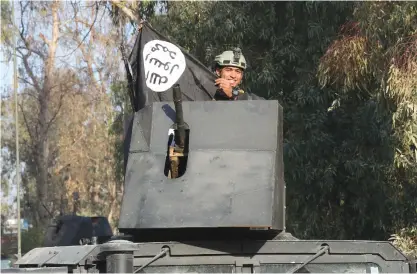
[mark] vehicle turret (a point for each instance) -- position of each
(230, 177)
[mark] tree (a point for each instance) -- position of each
(65, 131)
(372, 68)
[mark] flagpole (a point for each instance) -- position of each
(15, 85)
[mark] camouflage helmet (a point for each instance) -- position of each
(231, 58)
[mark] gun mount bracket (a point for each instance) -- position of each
(177, 153)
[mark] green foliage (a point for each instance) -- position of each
(31, 239)
(121, 103)
(380, 71)
(340, 148)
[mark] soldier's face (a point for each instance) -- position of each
(232, 74)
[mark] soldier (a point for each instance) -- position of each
(229, 67)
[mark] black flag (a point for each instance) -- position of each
(156, 64)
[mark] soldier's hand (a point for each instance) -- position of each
(225, 86)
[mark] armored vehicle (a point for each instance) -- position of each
(204, 193)
(220, 212)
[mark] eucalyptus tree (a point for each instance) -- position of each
(372, 68)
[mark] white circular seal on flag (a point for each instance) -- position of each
(164, 64)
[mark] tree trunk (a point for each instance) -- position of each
(45, 119)
(113, 203)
